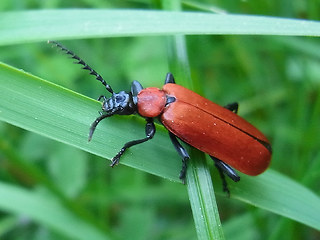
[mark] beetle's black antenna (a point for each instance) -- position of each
(86, 66)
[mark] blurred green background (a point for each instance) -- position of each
(276, 80)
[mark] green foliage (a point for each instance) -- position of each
(63, 189)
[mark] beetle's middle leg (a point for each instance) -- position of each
(183, 154)
(150, 131)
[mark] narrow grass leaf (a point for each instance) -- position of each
(47, 211)
(41, 25)
(202, 199)
(199, 183)
(280, 194)
(58, 113)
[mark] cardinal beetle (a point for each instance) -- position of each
(229, 140)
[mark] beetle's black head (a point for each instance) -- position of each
(122, 103)
(119, 103)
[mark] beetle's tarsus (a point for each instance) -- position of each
(183, 180)
(115, 161)
(224, 181)
(183, 171)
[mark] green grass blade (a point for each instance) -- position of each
(276, 192)
(44, 209)
(28, 26)
(58, 113)
(199, 182)
(202, 199)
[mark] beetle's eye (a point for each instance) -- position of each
(119, 99)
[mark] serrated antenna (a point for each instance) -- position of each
(83, 63)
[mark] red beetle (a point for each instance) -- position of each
(218, 131)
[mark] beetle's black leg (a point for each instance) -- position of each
(102, 96)
(183, 153)
(169, 78)
(233, 107)
(96, 122)
(224, 181)
(225, 169)
(150, 131)
(136, 87)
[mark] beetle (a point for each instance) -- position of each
(228, 139)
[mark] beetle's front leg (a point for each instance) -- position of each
(102, 97)
(150, 131)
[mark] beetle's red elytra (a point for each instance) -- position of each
(229, 140)
(215, 130)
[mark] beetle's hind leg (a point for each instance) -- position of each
(233, 107)
(183, 154)
(224, 168)
(150, 131)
